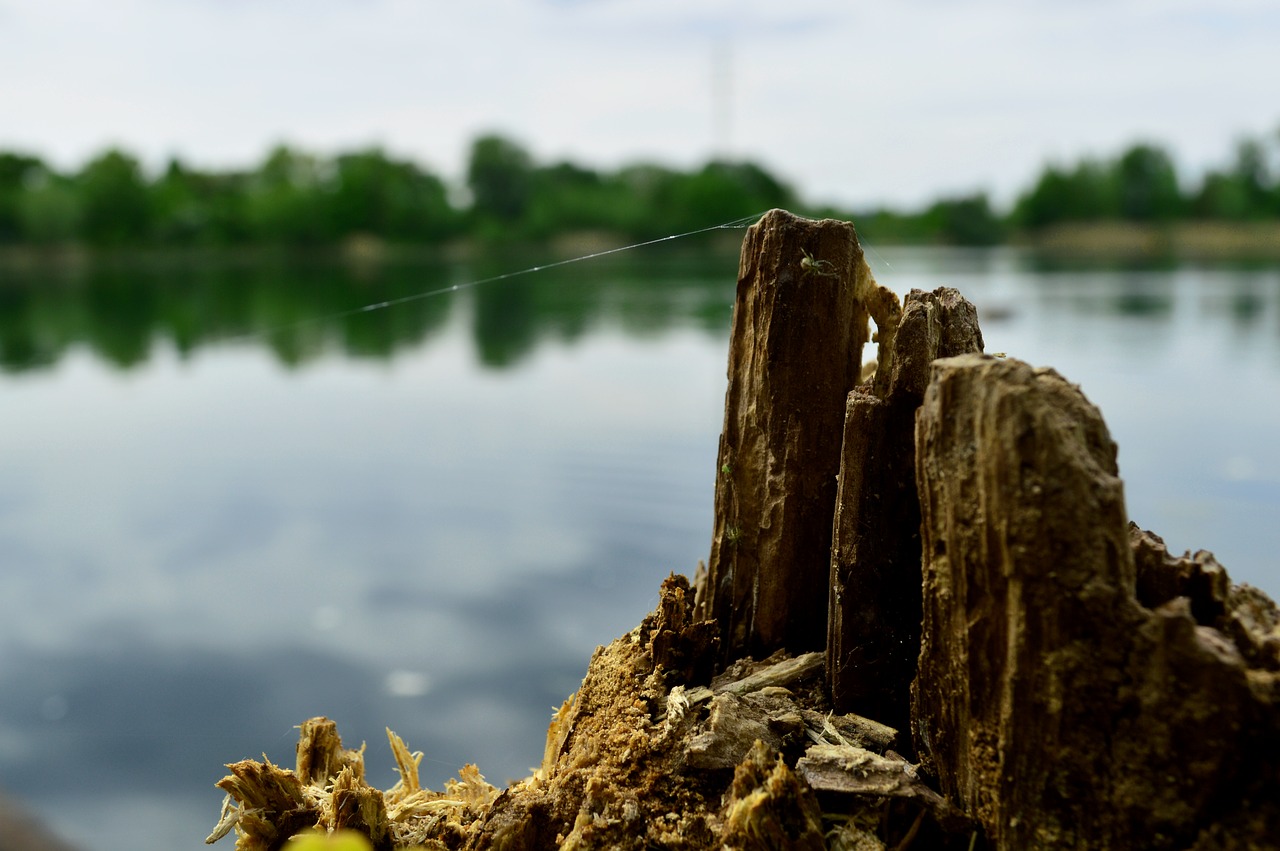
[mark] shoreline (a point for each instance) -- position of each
(1188, 241)
(1074, 242)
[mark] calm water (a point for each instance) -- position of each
(220, 515)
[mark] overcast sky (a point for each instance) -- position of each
(858, 103)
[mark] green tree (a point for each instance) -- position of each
(115, 200)
(965, 221)
(567, 197)
(49, 209)
(1221, 196)
(286, 200)
(722, 191)
(392, 199)
(1087, 192)
(1148, 185)
(500, 176)
(180, 212)
(224, 198)
(1247, 190)
(883, 226)
(649, 188)
(17, 171)
(1253, 172)
(1273, 193)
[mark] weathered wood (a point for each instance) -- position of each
(850, 729)
(795, 352)
(732, 728)
(873, 629)
(851, 770)
(785, 673)
(769, 807)
(1052, 705)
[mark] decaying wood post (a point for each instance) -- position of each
(795, 353)
(873, 631)
(1061, 700)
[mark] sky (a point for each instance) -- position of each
(852, 103)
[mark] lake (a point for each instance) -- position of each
(231, 500)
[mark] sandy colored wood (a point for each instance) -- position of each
(779, 675)
(639, 758)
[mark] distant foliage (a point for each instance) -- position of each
(299, 198)
(965, 221)
(115, 201)
(1142, 185)
(1249, 189)
(18, 174)
(1084, 193)
(500, 176)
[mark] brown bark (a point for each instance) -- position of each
(799, 326)
(873, 631)
(1051, 703)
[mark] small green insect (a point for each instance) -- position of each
(726, 468)
(809, 265)
(732, 534)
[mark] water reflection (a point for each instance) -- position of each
(1243, 299)
(229, 503)
(303, 311)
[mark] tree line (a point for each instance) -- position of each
(296, 198)
(1140, 185)
(302, 199)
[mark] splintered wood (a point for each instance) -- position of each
(640, 757)
(266, 804)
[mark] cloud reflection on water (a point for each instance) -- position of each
(201, 551)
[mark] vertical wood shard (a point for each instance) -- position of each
(874, 623)
(799, 325)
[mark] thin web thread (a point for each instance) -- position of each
(742, 222)
(880, 256)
